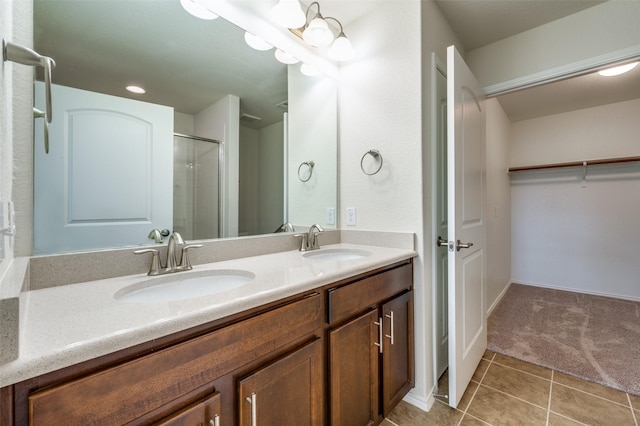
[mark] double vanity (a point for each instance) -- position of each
(323, 337)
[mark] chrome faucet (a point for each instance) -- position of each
(172, 263)
(172, 256)
(309, 241)
(285, 227)
(312, 238)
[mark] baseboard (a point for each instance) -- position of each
(499, 298)
(574, 290)
(419, 402)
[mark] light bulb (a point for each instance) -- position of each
(341, 49)
(288, 13)
(610, 72)
(317, 33)
(256, 42)
(285, 57)
(198, 10)
(309, 71)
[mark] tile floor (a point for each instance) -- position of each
(507, 391)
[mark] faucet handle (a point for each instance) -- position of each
(303, 241)
(185, 265)
(156, 267)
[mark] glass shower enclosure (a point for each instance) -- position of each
(196, 187)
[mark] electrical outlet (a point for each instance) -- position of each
(351, 216)
(331, 216)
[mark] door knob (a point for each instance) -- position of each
(440, 242)
(460, 245)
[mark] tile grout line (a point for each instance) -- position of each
(464, 413)
(522, 371)
(549, 402)
(593, 394)
(633, 412)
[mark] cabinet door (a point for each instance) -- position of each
(286, 392)
(397, 353)
(205, 412)
(353, 371)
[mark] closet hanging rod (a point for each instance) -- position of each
(575, 164)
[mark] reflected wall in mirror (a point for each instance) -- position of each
(219, 89)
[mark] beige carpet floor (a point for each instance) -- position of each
(592, 337)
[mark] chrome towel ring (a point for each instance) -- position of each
(376, 155)
(309, 165)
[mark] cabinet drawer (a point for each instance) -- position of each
(350, 299)
(123, 393)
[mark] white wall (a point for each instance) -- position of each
(221, 121)
(271, 178)
(599, 30)
(16, 130)
(313, 123)
(248, 187)
(573, 237)
(498, 138)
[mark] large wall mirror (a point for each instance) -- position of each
(240, 125)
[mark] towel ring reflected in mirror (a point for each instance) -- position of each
(376, 155)
(309, 166)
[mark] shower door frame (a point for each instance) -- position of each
(221, 175)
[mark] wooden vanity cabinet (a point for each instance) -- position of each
(337, 355)
(370, 350)
(205, 412)
(182, 378)
(285, 392)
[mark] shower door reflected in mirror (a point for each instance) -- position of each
(196, 187)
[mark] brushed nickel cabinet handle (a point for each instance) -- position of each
(379, 324)
(253, 401)
(390, 316)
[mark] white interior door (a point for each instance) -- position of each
(107, 180)
(442, 229)
(467, 224)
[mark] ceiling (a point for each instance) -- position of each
(481, 22)
(190, 63)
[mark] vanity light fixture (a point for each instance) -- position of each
(256, 42)
(288, 13)
(610, 72)
(286, 58)
(197, 9)
(317, 32)
(309, 71)
(136, 89)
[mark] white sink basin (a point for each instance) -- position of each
(184, 285)
(336, 254)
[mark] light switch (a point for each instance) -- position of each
(331, 216)
(351, 216)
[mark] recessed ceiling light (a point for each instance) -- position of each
(136, 89)
(610, 72)
(197, 9)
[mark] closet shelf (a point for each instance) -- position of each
(575, 164)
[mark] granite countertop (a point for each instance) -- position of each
(66, 325)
